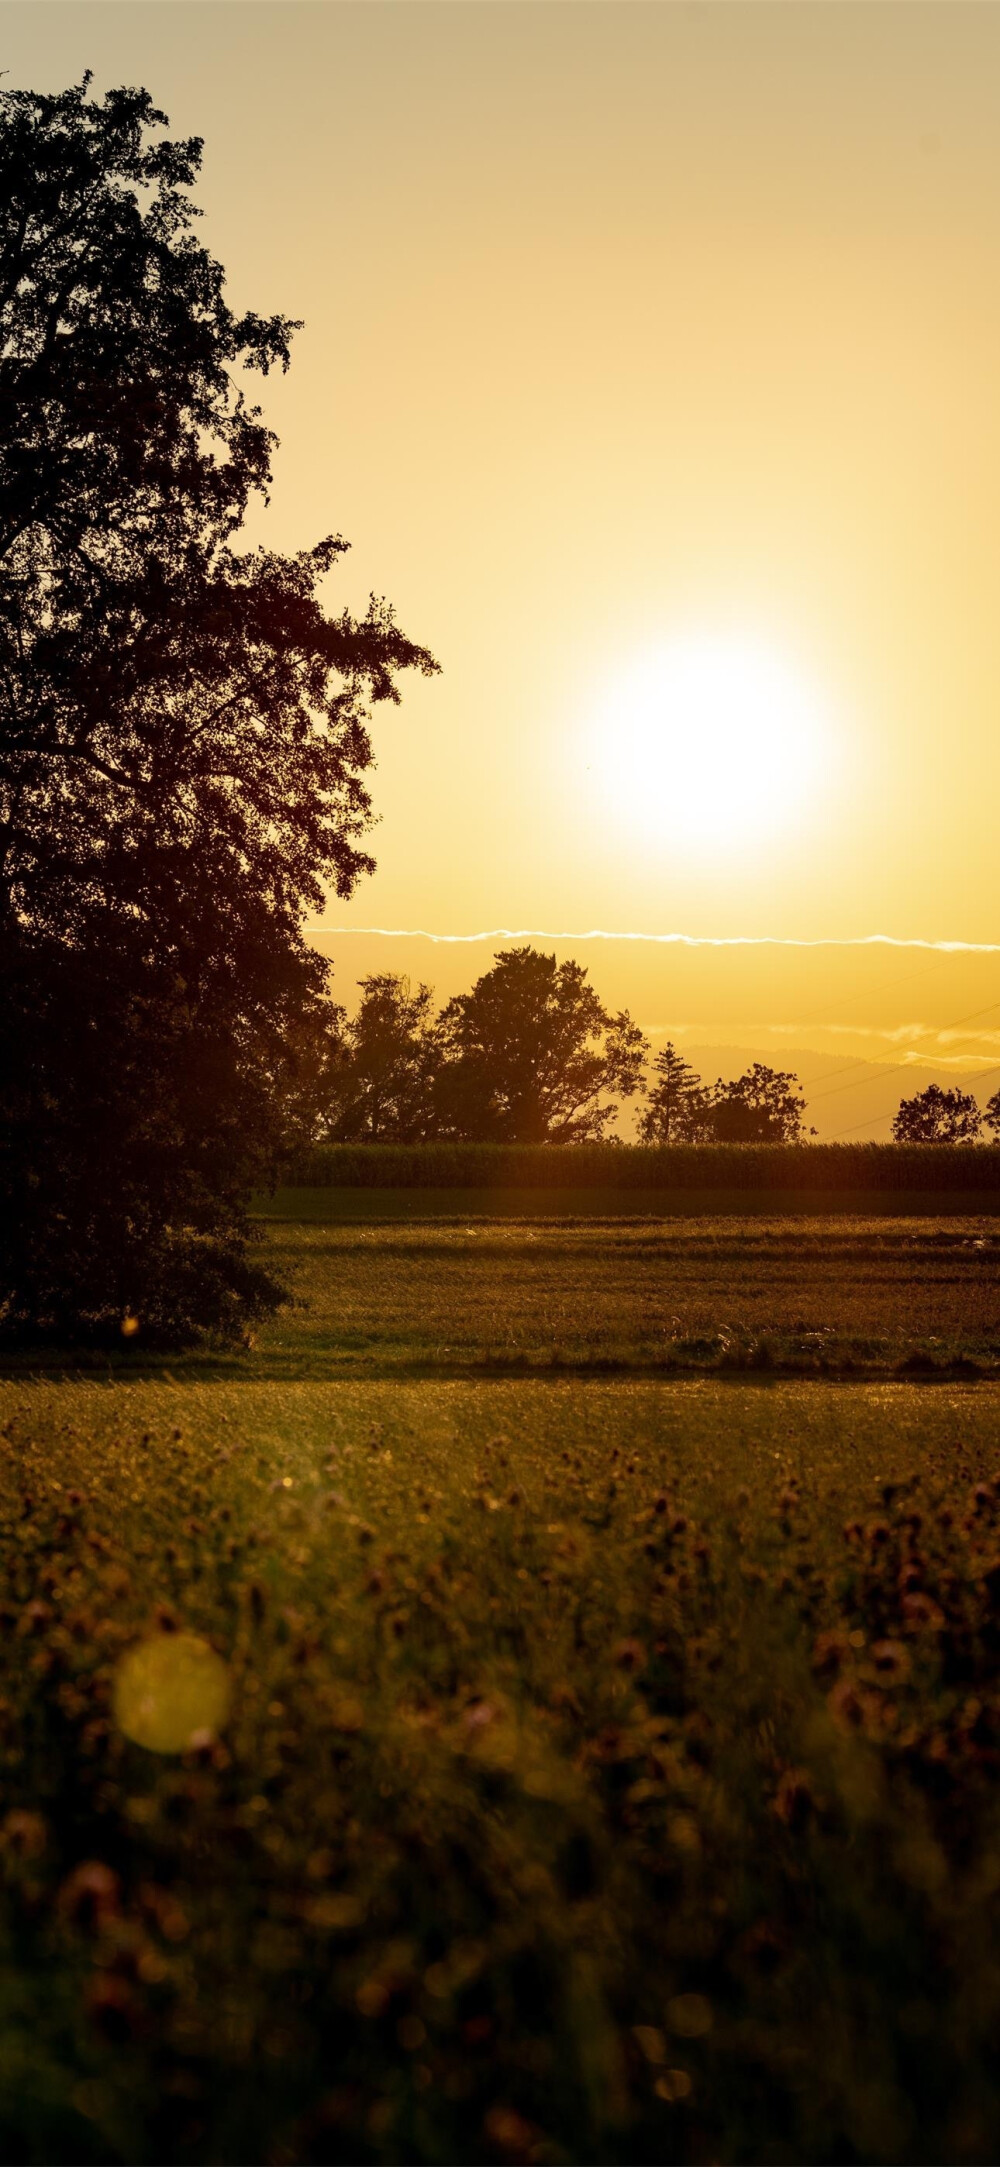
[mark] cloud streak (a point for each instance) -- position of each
(662, 940)
(914, 1033)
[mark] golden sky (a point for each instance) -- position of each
(627, 326)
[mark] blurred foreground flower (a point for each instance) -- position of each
(168, 1689)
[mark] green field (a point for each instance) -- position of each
(611, 1765)
(532, 1296)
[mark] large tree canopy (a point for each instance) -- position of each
(934, 1116)
(763, 1106)
(183, 727)
(531, 1055)
(382, 1088)
(156, 688)
(118, 399)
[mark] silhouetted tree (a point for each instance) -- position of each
(531, 1054)
(934, 1116)
(382, 1086)
(182, 742)
(991, 1116)
(677, 1101)
(763, 1106)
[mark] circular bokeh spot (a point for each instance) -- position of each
(169, 1688)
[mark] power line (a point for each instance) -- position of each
(994, 1071)
(900, 978)
(861, 1060)
(901, 1066)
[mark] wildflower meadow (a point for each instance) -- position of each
(517, 1770)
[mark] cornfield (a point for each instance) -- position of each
(969, 1170)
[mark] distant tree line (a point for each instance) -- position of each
(529, 1056)
(532, 1056)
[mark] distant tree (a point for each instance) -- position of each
(531, 1055)
(381, 1089)
(763, 1106)
(934, 1116)
(991, 1115)
(677, 1101)
(182, 743)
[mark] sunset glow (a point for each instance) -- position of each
(665, 409)
(500, 980)
(710, 744)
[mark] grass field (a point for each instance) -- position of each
(819, 1296)
(610, 1766)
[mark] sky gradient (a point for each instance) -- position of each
(623, 320)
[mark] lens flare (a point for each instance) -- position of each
(168, 1689)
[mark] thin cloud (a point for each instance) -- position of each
(662, 940)
(926, 1034)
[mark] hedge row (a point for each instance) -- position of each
(971, 1169)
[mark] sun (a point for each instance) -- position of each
(710, 743)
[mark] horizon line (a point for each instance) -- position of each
(677, 940)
